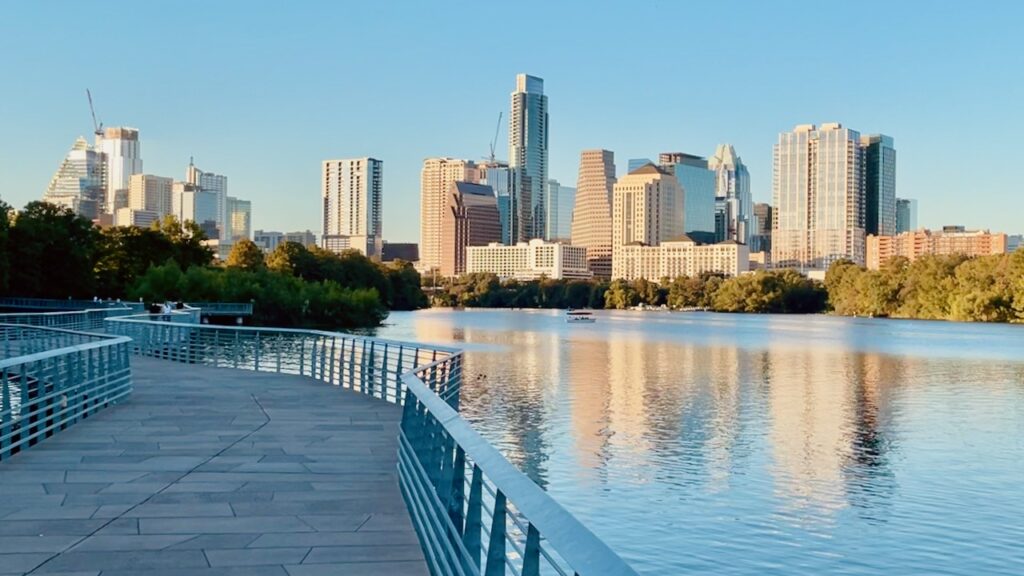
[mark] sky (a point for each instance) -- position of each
(263, 92)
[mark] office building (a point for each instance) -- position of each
(152, 194)
(239, 219)
(1014, 242)
(122, 153)
(879, 184)
(906, 215)
(189, 203)
(352, 197)
(634, 163)
(216, 184)
(647, 207)
(561, 200)
(502, 180)
(79, 183)
(680, 257)
(592, 214)
(133, 217)
(470, 219)
(528, 157)
(732, 195)
(698, 190)
(818, 198)
(436, 179)
(529, 260)
(404, 251)
(761, 239)
(268, 240)
(917, 243)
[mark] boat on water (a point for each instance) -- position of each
(579, 317)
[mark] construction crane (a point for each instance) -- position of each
(494, 142)
(97, 126)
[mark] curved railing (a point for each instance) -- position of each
(51, 378)
(76, 305)
(474, 512)
(91, 320)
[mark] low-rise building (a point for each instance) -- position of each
(680, 257)
(268, 240)
(139, 218)
(529, 260)
(952, 240)
(406, 251)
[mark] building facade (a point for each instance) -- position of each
(351, 192)
(592, 213)
(470, 219)
(761, 239)
(79, 184)
(647, 207)
(268, 240)
(698, 191)
(404, 251)
(138, 218)
(436, 179)
(561, 200)
(732, 195)
(189, 203)
(818, 197)
(917, 243)
(879, 184)
(216, 184)
(501, 179)
(122, 153)
(239, 219)
(528, 157)
(906, 215)
(680, 257)
(529, 260)
(151, 193)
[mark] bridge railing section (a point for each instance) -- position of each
(51, 378)
(56, 305)
(224, 308)
(474, 512)
(90, 320)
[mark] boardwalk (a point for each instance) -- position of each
(211, 472)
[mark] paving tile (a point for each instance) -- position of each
(22, 562)
(207, 525)
(139, 560)
(337, 522)
(359, 569)
(22, 544)
(382, 538)
(256, 556)
(115, 542)
(338, 554)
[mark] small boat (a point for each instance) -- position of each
(579, 317)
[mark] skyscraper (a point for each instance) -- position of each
(470, 219)
(79, 183)
(240, 219)
(761, 235)
(647, 207)
(592, 214)
(698, 192)
(436, 179)
(151, 193)
(501, 179)
(818, 197)
(123, 155)
(560, 205)
(732, 193)
(906, 215)
(352, 196)
(879, 184)
(217, 185)
(189, 203)
(528, 157)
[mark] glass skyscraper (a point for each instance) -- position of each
(79, 183)
(561, 200)
(879, 185)
(906, 215)
(698, 184)
(732, 193)
(528, 157)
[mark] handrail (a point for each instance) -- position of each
(57, 304)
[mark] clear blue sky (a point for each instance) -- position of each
(262, 92)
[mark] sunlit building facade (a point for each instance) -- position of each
(680, 257)
(647, 207)
(436, 179)
(470, 219)
(122, 153)
(917, 243)
(240, 218)
(697, 183)
(79, 183)
(591, 225)
(732, 194)
(528, 157)
(529, 260)
(151, 193)
(351, 192)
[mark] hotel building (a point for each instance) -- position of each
(529, 260)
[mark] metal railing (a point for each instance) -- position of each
(224, 308)
(474, 512)
(91, 320)
(55, 304)
(52, 378)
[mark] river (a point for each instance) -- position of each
(758, 444)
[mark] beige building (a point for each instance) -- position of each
(922, 242)
(679, 257)
(139, 218)
(151, 193)
(435, 184)
(529, 260)
(470, 219)
(647, 207)
(352, 193)
(592, 214)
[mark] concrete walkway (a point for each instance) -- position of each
(213, 472)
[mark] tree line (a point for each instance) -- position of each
(50, 252)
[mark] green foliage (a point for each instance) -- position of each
(246, 255)
(51, 253)
(5, 264)
(783, 291)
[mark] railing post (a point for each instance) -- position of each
(496, 544)
(531, 556)
(471, 536)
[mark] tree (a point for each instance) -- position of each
(5, 265)
(52, 253)
(125, 253)
(246, 255)
(294, 259)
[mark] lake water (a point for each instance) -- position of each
(748, 444)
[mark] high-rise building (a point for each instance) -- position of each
(732, 194)
(906, 215)
(879, 184)
(470, 219)
(917, 243)
(501, 179)
(123, 155)
(698, 190)
(352, 198)
(635, 163)
(189, 203)
(239, 218)
(528, 156)
(818, 199)
(561, 200)
(761, 237)
(216, 184)
(592, 213)
(436, 179)
(647, 207)
(151, 193)
(79, 183)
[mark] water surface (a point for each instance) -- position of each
(758, 444)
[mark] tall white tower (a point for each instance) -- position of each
(352, 205)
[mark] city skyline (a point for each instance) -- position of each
(437, 113)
